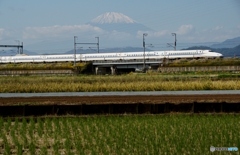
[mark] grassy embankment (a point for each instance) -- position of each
(44, 66)
(152, 81)
(130, 82)
(149, 134)
(204, 62)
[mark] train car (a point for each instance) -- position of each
(189, 54)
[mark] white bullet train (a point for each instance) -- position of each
(112, 56)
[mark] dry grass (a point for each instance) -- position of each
(133, 82)
(205, 62)
(40, 66)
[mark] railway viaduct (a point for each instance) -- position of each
(120, 66)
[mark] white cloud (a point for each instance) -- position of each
(218, 34)
(185, 33)
(64, 34)
(115, 35)
(190, 34)
(1, 33)
(185, 29)
(218, 28)
(85, 33)
(58, 31)
(153, 34)
(6, 34)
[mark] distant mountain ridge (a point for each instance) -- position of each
(229, 43)
(13, 53)
(226, 52)
(229, 47)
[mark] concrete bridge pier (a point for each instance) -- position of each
(113, 70)
(96, 70)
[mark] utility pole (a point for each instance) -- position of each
(97, 43)
(174, 45)
(21, 49)
(89, 43)
(18, 46)
(144, 61)
(75, 37)
(75, 46)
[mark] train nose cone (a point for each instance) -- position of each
(220, 55)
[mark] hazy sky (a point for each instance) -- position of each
(49, 25)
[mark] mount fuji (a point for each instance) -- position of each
(113, 21)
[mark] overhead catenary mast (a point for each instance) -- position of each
(174, 45)
(20, 47)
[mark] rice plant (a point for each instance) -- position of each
(123, 134)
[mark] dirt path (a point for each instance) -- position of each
(73, 100)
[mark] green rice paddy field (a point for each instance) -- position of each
(125, 134)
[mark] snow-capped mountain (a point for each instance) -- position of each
(112, 21)
(112, 17)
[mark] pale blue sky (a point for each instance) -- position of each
(50, 25)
